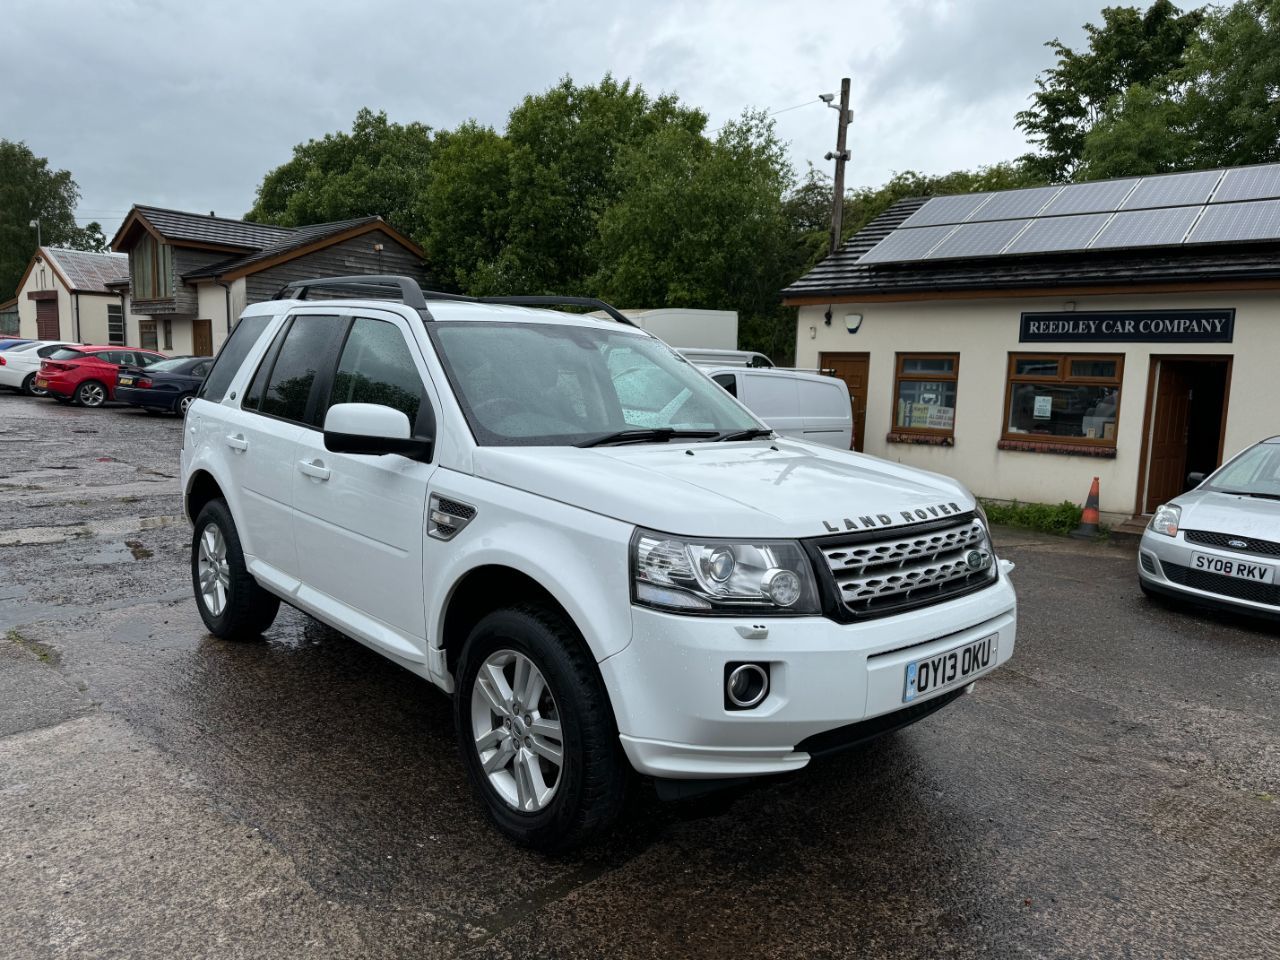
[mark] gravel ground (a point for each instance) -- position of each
(1113, 792)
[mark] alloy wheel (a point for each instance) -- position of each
(92, 395)
(31, 389)
(516, 726)
(213, 569)
(185, 404)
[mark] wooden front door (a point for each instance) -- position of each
(47, 320)
(852, 369)
(202, 337)
(1170, 419)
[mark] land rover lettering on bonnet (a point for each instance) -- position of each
(616, 571)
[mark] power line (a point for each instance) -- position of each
(774, 113)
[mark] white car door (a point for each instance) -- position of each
(827, 411)
(359, 520)
(774, 399)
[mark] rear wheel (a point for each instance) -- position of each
(231, 603)
(184, 403)
(536, 731)
(30, 389)
(91, 394)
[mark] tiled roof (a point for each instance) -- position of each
(88, 272)
(296, 238)
(223, 231)
(841, 275)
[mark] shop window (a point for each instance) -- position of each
(1063, 399)
(924, 391)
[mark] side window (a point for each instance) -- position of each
(728, 381)
(376, 367)
(307, 349)
(200, 369)
(147, 359)
(116, 357)
(231, 357)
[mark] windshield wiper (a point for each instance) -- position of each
(1248, 493)
(648, 435)
(750, 434)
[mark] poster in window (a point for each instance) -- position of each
(1044, 407)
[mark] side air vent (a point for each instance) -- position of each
(446, 518)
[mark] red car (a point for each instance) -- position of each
(87, 375)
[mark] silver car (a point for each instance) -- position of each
(1219, 544)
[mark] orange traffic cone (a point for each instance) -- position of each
(1088, 528)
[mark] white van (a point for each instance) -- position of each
(803, 406)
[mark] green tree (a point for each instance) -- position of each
(566, 145)
(701, 223)
(1129, 48)
(30, 190)
(379, 168)
(464, 206)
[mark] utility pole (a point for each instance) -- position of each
(841, 157)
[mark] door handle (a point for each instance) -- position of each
(237, 442)
(314, 468)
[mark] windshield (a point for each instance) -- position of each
(1255, 472)
(552, 385)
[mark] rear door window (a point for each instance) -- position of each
(231, 356)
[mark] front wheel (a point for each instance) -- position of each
(231, 603)
(536, 731)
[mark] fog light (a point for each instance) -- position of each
(746, 685)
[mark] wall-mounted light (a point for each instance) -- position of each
(1069, 306)
(813, 333)
(852, 322)
(826, 317)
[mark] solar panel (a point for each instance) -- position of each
(905, 244)
(1256, 220)
(1249, 183)
(1173, 190)
(1147, 228)
(978, 239)
(1102, 196)
(946, 210)
(1015, 204)
(1059, 233)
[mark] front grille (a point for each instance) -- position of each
(1223, 586)
(1268, 548)
(883, 576)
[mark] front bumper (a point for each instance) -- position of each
(1164, 566)
(667, 685)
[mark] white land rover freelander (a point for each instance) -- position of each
(606, 559)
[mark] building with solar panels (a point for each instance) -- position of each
(1026, 341)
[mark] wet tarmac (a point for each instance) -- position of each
(1113, 792)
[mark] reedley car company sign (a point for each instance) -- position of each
(1154, 326)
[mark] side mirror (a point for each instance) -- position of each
(372, 430)
(1194, 480)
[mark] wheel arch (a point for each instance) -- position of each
(201, 488)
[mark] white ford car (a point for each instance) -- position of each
(606, 559)
(1219, 544)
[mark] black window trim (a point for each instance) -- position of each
(325, 367)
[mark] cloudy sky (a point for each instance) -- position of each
(161, 102)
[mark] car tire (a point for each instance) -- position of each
(590, 784)
(30, 389)
(232, 604)
(91, 393)
(184, 401)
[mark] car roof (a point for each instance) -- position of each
(450, 311)
(712, 370)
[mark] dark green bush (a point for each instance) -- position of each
(1059, 518)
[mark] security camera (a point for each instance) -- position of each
(826, 97)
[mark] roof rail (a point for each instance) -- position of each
(410, 292)
(412, 295)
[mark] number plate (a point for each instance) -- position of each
(951, 668)
(1230, 567)
(126, 381)
(41, 382)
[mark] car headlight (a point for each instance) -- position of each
(722, 576)
(1166, 520)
